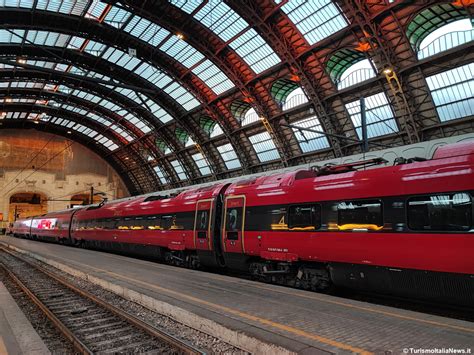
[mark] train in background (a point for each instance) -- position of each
(403, 230)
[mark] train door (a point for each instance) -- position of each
(234, 220)
(202, 225)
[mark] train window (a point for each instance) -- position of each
(184, 220)
(108, 223)
(359, 215)
(202, 220)
(233, 221)
(153, 222)
(304, 217)
(261, 218)
(167, 221)
(442, 212)
(138, 223)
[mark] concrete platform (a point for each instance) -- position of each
(255, 315)
(17, 335)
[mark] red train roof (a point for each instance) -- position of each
(184, 201)
(453, 150)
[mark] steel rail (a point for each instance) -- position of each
(151, 330)
(78, 345)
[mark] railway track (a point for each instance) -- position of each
(89, 323)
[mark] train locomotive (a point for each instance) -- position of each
(403, 230)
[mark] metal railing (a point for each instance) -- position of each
(294, 101)
(445, 42)
(355, 77)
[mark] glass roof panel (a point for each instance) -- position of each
(181, 51)
(176, 48)
(255, 51)
(27, 4)
(160, 175)
(46, 38)
(208, 72)
(95, 9)
(179, 169)
(117, 17)
(153, 75)
(87, 96)
(264, 147)
(453, 92)
(221, 19)
(146, 30)
(182, 96)
(8, 37)
(94, 48)
(379, 113)
(316, 19)
(310, 141)
(201, 164)
(186, 5)
(228, 155)
(227, 24)
(115, 56)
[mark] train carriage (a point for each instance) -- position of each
(53, 227)
(405, 229)
(177, 228)
(398, 229)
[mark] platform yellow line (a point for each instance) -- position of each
(315, 297)
(289, 329)
(340, 303)
(344, 304)
(386, 313)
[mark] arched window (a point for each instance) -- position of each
(294, 99)
(439, 28)
(288, 94)
(162, 146)
(182, 136)
(244, 113)
(211, 127)
(348, 67)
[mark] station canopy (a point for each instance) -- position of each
(179, 92)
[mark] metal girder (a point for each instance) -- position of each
(56, 77)
(113, 37)
(220, 53)
(277, 31)
(65, 98)
(386, 62)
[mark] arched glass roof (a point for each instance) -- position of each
(177, 88)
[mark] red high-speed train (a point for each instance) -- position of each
(405, 229)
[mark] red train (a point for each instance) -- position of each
(404, 229)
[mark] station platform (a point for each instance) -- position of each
(17, 335)
(258, 317)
